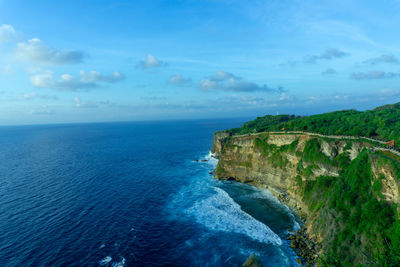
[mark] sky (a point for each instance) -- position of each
(94, 61)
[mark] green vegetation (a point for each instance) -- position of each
(377, 186)
(312, 152)
(299, 180)
(313, 156)
(219, 168)
(382, 122)
(362, 228)
(273, 152)
(386, 158)
(262, 124)
(342, 160)
(358, 226)
(348, 146)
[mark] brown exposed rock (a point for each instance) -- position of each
(242, 161)
(253, 261)
(306, 247)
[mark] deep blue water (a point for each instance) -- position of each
(130, 194)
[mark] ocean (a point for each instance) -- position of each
(131, 194)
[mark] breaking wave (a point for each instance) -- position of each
(220, 212)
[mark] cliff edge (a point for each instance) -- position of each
(346, 191)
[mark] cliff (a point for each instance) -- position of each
(333, 184)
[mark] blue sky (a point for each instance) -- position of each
(89, 61)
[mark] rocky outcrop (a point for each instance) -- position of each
(305, 247)
(385, 175)
(218, 142)
(240, 160)
(279, 163)
(253, 261)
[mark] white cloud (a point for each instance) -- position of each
(387, 93)
(150, 62)
(328, 54)
(177, 79)
(207, 85)
(284, 96)
(229, 82)
(7, 33)
(43, 110)
(312, 99)
(222, 76)
(95, 76)
(45, 79)
(251, 100)
(341, 98)
(36, 51)
(29, 96)
(374, 75)
(80, 104)
(383, 59)
(92, 104)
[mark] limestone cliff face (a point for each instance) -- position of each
(241, 160)
(218, 142)
(387, 176)
(277, 162)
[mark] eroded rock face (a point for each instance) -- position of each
(218, 142)
(240, 160)
(281, 139)
(327, 149)
(390, 185)
(282, 170)
(355, 150)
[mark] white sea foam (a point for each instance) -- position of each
(265, 194)
(296, 226)
(212, 160)
(120, 263)
(220, 212)
(105, 261)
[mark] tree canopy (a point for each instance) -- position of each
(382, 122)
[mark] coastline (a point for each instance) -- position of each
(305, 246)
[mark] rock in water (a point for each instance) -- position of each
(253, 261)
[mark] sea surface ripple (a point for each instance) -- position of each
(130, 194)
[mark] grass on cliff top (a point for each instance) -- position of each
(357, 227)
(381, 122)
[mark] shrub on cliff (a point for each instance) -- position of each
(362, 228)
(381, 122)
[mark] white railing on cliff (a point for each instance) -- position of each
(392, 150)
